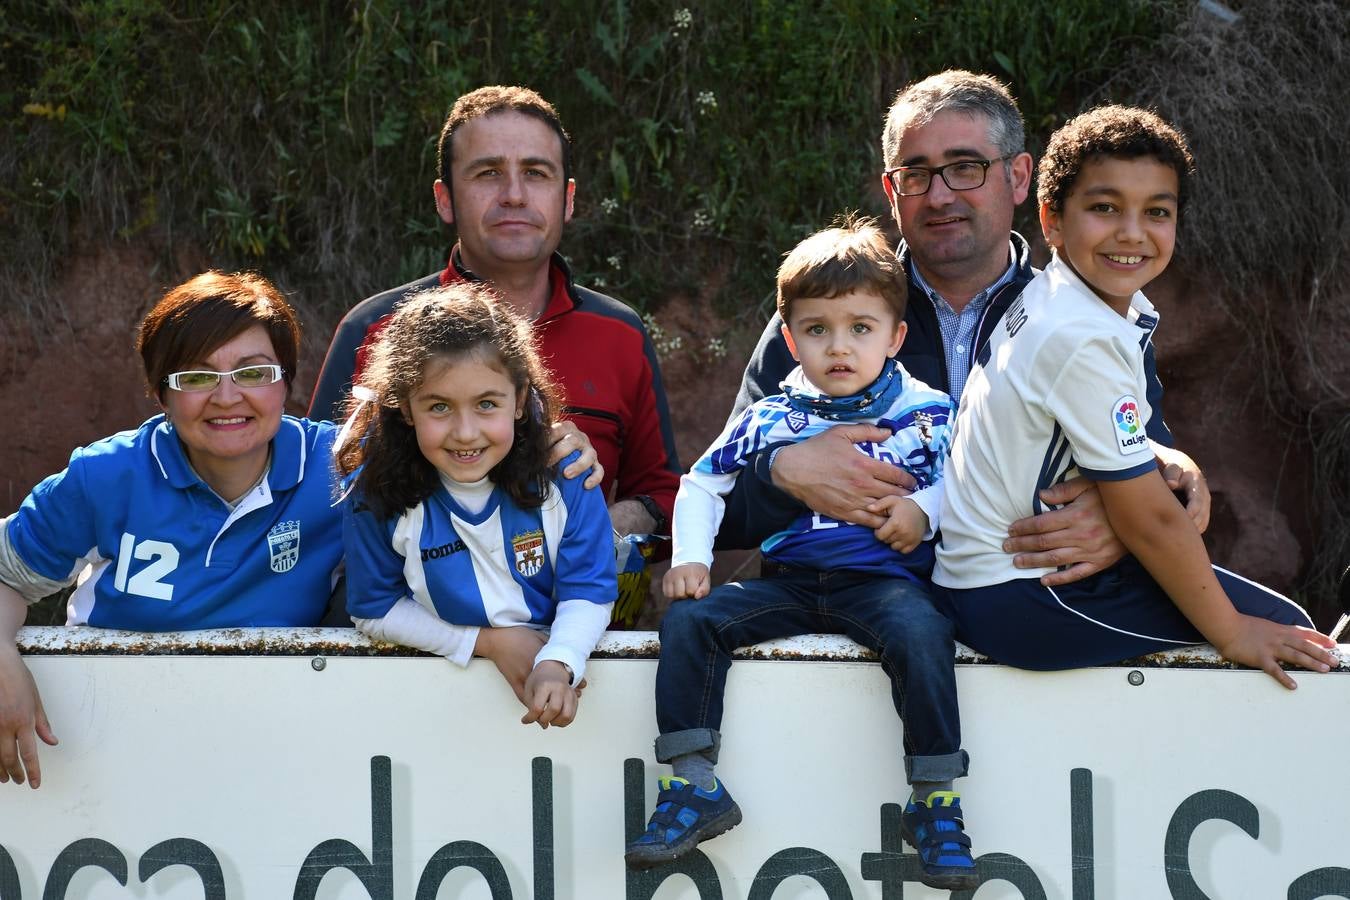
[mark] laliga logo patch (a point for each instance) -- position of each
(796, 420)
(283, 545)
(1130, 434)
(529, 548)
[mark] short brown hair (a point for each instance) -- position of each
(1125, 132)
(851, 255)
(494, 99)
(194, 319)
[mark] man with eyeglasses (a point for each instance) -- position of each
(956, 167)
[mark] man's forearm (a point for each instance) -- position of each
(631, 517)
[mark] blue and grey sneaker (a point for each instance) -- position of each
(937, 830)
(685, 816)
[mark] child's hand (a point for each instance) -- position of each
(905, 523)
(690, 580)
(1263, 645)
(512, 650)
(549, 695)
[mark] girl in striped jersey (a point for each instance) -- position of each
(461, 539)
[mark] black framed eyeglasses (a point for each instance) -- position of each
(962, 175)
(204, 380)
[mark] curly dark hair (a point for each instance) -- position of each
(451, 321)
(1125, 132)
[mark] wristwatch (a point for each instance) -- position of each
(654, 511)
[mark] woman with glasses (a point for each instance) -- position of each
(216, 513)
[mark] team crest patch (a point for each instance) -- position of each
(924, 422)
(283, 545)
(796, 420)
(1129, 427)
(529, 548)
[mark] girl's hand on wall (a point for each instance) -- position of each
(549, 695)
(512, 650)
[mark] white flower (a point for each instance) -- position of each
(609, 205)
(615, 262)
(716, 347)
(707, 102)
(702, 218)
(683, 19)
(599, 281)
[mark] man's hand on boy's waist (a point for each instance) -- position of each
(1078, 536)
(828, 474)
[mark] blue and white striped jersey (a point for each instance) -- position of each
(166, 553)
(918, 418)
(502, 566)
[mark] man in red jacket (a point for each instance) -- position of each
(505, 184)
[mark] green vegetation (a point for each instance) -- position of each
(300, 138)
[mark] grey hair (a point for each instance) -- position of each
(960, 91)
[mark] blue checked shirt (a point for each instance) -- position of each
(958, 328)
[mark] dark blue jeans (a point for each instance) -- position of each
(892, 616)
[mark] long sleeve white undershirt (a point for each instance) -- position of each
(577, 626)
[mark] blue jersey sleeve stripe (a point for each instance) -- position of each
(375, 579)
(1120, 474)
(585, 566)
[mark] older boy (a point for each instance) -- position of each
(841, 294)
(1060, 392)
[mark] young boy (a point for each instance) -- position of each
(1059, 392)
(841, 294)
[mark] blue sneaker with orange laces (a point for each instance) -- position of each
(685, 816)
(936, 829)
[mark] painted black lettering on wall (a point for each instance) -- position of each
(892, 866)
(185, 852)
(1006, 867)
(85, 852)
(1201, 807)
(376, 876)
(800, 861)
(541, 788)
(1321, 883)
(463, 853)
(1084, 874)
(9, 877)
